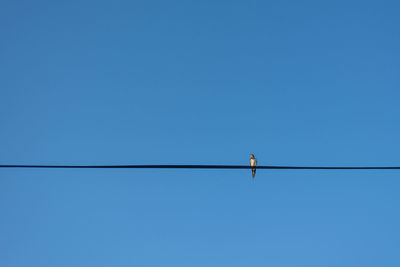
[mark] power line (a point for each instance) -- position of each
(155, 166)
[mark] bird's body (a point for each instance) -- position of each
(253, 163)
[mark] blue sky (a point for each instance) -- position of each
(199, 82)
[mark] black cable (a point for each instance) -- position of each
(154, 166)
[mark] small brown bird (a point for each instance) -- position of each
(253, 163)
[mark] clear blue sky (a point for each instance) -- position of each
(199, 82)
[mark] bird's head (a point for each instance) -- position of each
(252, 156)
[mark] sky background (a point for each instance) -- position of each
(199, 82)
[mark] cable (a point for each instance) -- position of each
(153, 166)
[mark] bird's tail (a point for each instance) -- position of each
(253, 172)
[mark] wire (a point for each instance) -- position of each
(195, 167)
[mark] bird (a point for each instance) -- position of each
(253, 163)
